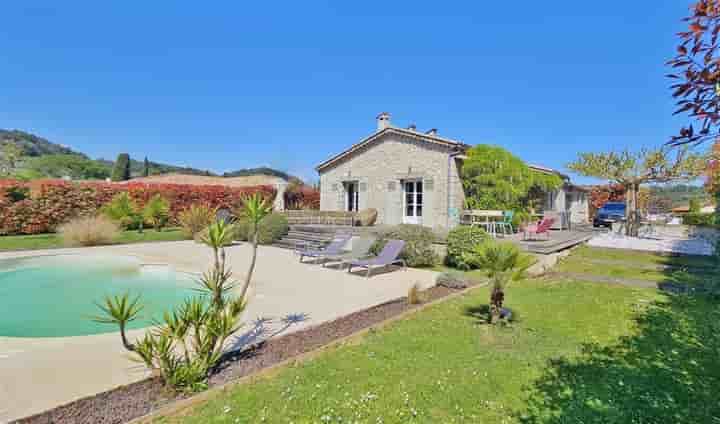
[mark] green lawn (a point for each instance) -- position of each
(578, 353)
(50, 241)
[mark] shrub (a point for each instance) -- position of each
(156, 212)
(462, 239)
(418, 250)
(123, 210)
(17, 193)
(502, 263)
(185, 346)
(271, 228)
(367, 217)
(89, 231)
(453, 280)
(195, 219)
(53, 202)
(414, 296)
(700, 219)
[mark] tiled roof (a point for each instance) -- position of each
(393, 130)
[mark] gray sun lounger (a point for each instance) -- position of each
(360, 250)
(389, 255)
(335, 247)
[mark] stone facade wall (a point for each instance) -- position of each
(382, 166)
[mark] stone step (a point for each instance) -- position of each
(293, 243)
(309, 236)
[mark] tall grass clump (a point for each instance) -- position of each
(89, 231)
(195, 219)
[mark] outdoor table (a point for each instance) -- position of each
(475, 218)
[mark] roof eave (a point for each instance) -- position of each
(377, 134)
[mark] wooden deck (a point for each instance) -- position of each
(559, 240)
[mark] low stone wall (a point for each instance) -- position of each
(315, 217)
(681, 231)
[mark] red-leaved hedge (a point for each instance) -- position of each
(300, 196)
(53, 202)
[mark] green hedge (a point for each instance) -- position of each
(463, 239)
(418, 250)
(701, 219)
(271, 229)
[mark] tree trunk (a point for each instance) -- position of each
(631, 214)
(497, 297)
(248, 277)
(127, 345)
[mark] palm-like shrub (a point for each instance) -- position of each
(502, 263)
(123, 210)
(463, 239)
(89, 231)
(195, 219)
(120, 310)
(187, 343)
(255, 208)
(157, 212)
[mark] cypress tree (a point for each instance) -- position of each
(146, 167)
(121, 171)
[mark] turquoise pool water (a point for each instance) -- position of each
(55, 296)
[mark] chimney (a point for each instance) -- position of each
(431, 131)
(412, 127)
(383, 121)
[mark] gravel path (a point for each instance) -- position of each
(666, 245)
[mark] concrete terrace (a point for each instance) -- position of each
(40, 373)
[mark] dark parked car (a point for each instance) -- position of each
(609, 213)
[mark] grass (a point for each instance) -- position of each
(632, 265)
(51, 241)
(577, 353)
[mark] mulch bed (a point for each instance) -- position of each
(125, 403)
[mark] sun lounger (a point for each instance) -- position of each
(360, 250)
(389, 255)
(336, 247)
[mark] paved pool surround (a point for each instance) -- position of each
(37, 374)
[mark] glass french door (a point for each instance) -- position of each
(352, 197)
(412, 202)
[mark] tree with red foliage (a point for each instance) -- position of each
(696, 72)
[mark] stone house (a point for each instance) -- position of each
(409, 176)
(571, 199)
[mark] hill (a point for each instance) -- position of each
(40, 157)
(263, 170)
(34, 146)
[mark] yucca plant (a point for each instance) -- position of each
(120, 310)
(157, 211)
(218, 235)
(185, 345)
(255, 207)
(502, 263)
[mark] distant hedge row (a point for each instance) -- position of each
(701, 219)
(40, 206)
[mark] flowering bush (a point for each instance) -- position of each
(53, 202)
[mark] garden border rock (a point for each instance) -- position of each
(146, 400)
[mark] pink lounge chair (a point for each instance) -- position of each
(542, 227)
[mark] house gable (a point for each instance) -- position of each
(430, 141)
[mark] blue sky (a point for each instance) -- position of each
(226, 85)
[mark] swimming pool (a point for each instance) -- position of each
(56, 296)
